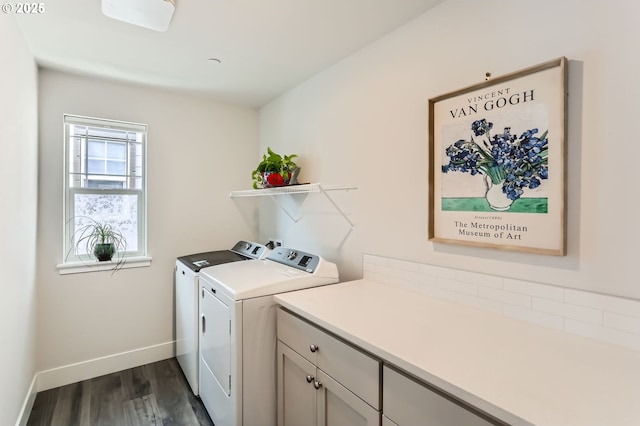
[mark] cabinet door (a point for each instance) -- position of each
(337, 406)
(296, 394)
(387, 422)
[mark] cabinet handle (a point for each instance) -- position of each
(204, 325)
(310, 379)
(317, 384)
(313, 348)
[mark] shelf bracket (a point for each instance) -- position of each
(298, 189)
(335, 205)
(279, 204)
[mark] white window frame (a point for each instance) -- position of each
(83, 263)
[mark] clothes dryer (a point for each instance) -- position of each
(238, 331)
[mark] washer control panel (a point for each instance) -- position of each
(295, 258)
(250, 249)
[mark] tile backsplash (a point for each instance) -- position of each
(608, 318)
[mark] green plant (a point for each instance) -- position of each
(281, 166)
(98, 239)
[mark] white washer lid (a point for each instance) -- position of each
(262, 277)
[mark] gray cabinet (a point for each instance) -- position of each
(297, 405)
(408, 402)
(323, 381)
(387, 422)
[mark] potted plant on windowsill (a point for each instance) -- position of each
(275, 170)
(100, 240)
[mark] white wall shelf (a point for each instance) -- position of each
(307, 188)
(292, 189)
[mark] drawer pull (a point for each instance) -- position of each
(317, 384)
(310, 379)
(313, 348)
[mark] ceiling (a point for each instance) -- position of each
(265, 47)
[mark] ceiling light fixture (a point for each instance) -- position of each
(152, 14)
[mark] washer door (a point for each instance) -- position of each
(215, 338)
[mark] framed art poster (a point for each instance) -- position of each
(497, 162)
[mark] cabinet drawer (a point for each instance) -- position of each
(355, 370)
(407, 402)
(299, 335)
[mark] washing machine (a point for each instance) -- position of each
(238, 331)
(187, 310)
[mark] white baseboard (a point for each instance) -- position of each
(23, 418)
(84, 370)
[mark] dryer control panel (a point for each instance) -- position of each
(295, 258)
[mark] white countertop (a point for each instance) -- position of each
(519, 372)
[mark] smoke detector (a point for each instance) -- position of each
(152, 14)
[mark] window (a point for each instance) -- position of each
(105, 180)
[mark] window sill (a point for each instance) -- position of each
(81, 267)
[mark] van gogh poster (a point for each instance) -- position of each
(497, 154)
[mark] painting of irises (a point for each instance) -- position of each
(512, 161)
(497, 154)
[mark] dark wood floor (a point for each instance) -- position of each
(153, 394)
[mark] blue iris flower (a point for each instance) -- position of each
(480, 127)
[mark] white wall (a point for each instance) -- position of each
(198, 150)
(18, 174)
(364, 121)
